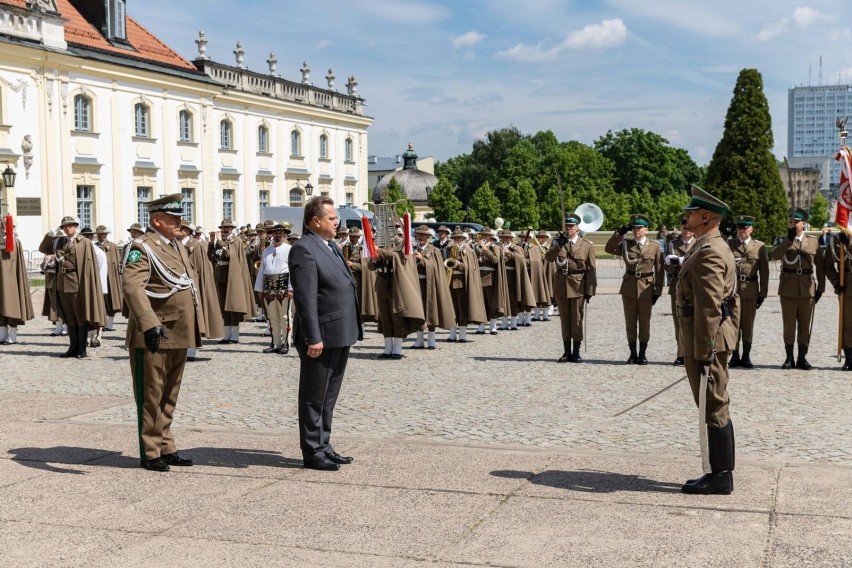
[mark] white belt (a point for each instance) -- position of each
(486, 269)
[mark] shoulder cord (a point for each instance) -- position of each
(169, 278)
(626, 255)
(798, 257)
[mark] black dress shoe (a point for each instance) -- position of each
(322, 464)
(270, 350)
(493, 333)
(431, 347)
(224, 341)
(462, 340)
(678, 362)
(156, 464)
(337, 458)
(396, 356)
(285, 349)
(176, 459)
(720, 483)
(190, 359)
(385, 356)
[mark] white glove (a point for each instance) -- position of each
(673, 259)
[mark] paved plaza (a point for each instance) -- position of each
(485, 453)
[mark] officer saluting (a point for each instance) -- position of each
(752, 285)
(800, 257)
(164, 321)
(677, 249)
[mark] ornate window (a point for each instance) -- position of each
(188, 204)
(347, 145)
(143, 196)
(227, 203)
(262, 202)
(185, 126)
(82, 113)
(85, 204)
(226, 135)
(295, 143)
(323, 154)
(263, 139)
(296, 197)
(141, 121)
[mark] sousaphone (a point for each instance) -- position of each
(591, 217)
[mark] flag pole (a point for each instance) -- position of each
(841, 268)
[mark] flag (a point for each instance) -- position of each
(369, 250)
(844, 201)
(407, 247)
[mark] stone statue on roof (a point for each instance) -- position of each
(42, 6)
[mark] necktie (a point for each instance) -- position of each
(333, 248)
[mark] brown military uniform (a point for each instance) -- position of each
(832, 272)
(679, 247)
(574, 280)
(113, 297)
(752, 282)
(801, 259)
(643, 280)
(233, 284)
(16, 305)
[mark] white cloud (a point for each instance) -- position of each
(403, 12)
(469, 39)
(705, 19)
(609, 33)
(322, 44)
(841, 34)
(803, 17)
(773, 30)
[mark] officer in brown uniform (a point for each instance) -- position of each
(434, 290)
(752, 285)
(352, 252)
(642, 283)
(465, 286)
(112, 297)
(16, 305)
(230, 268)
(675, 251)
(801, 257)
(837, 245)
(550, 270)
(164, 321)
(573, 284)
(492, 273)
(706, 303)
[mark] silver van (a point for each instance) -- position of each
(349, 216)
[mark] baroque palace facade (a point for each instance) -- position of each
(98, 116)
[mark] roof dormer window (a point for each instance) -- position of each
(116, 19)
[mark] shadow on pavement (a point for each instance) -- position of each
(588, 481)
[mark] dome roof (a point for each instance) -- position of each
(416, 184)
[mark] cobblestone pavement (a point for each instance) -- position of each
(503, 390)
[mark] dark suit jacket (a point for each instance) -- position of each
(326, 298)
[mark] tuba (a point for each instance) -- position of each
(591, 217)
(452, 261)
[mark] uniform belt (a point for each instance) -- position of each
(486, 269)
(387, 270)
(276, 276)
(743, 278)
(224, 262)
(510, 267)
(640, 274)
(577, 271)
(797, 270)
(422, 276)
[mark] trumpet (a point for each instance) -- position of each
(452, 262)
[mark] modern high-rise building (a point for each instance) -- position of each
(812, 137)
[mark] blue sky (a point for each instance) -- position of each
(440, 74)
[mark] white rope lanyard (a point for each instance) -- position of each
(168, 276)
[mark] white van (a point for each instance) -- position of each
(349, 216)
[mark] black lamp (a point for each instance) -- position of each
(309, 189)
(9, 176)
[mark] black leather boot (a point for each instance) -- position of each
(575, 354)
(285, 347)
(641, 360)
(735, 360)
(720, 480)
(847, 364)
(678, 362)
(72, 340)
(745, 360)
(566, 353)
(789, 363)
(633, 357)
(801, 362)
(82, 334)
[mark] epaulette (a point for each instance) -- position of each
(588, 241)
(139, 240)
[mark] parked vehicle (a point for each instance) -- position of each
(349, 216)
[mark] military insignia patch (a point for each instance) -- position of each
(133, 256)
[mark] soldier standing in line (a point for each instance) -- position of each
(205, 284)
(752, 285)
(492, 272)
(521, 295)
(706, 303)
(550, 271)
(676, 250)
(434, 291)
(49, 269)
(574, 284)
(274, 288)
(642, 284)
(534, 256)
(442, 241)
(236, 297)
(16, 305)
(800, 256)
(159, 287)
(838, 244)
(465, 287)
(113, 297)
(352, 252)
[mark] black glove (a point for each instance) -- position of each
(839, 289)
(561, 239)
(588, 298)
(622, 230)
(152, 338)
(817, 296)
(760, 301)
(791, 233)
(705, 365)
(843, 237)
(654, 299)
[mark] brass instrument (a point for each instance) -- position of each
(453, 261)
(257, 264)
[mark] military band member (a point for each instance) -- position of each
(434, 291)
(676, 249)
(837, 244)
(236, 297)
(164, 321)
(442, 241)
(49, 269)
(93, 338)
(78, 293)
(465, 286)
(752, 286)
(113, 297)
(16, 305)
(534, 256)
(543, 238)
(521, 295)
(492, 273)
(574, 284)
(352, 254)
(801, 257)
(274, 288)
(642, 284)
(205, 284)
(706, 301)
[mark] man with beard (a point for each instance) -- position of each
(274, 289)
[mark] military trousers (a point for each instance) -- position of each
(228, 318)
(571, 314)
(278, 314)
(847, 318)
(747, 313)
(796, 314)
(427, 325)
(156, 384)
(491, 306)
(512, 285)
(637, 312)
(676, 325)
(4, 321)
(716, 411)
(69, 308)
(393, 324)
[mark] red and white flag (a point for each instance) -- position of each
(844, 201)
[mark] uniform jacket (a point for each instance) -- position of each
(113, 293)
(707, 277)
(524, 293)
(15, 301)
(494, 282)
(538, 276)
(178, 314)
(438, 304)
(646, 260)
(406, 301)
(580, 256)
(466, 276)
(208, 300)
(752, 268)
(77, 273)
(324, 292)
(239, 297)
(680, 248)
(832, 268)
(805, 255)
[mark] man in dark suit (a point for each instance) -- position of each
(327, 323)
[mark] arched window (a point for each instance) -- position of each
(185, 126)
(295, 143)
(141, 127)
(323, 147)
(348, 150)
(262, 139)
(82, 113)
(226, 135)
(296, 197)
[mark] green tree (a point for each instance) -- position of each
(484, 205)
(669, 208)
(520, 208)
(396, 194)
(444, 203)
(819, 211)
(743, 172)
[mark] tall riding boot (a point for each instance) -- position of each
(720, 480)
(576, 353)
(566, 354)
(847, 364)
(634, 358)
(641, 359)
(745, 360)
(801, 362)
(72, 341)
(82, 333)
(735, 359)
(789, 363)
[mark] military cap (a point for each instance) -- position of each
(703, 200)
(342, 230)
(572, 219)
(281, 226)
(422, 230)
(227, 223)
(259, 227)
(800, 215)
(293, 237)
(69, 220)
(171, 204)
(639, 220)
(543, 233)
(86, 231)
(457, 232)
(507, 233)
(486, 230)
(442, 228)
(184, 224)
(744, 221)
(250, 232)
(101, 229)
(268, 224)
(354, 232)
(136, 227)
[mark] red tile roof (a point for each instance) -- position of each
(79, 32)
